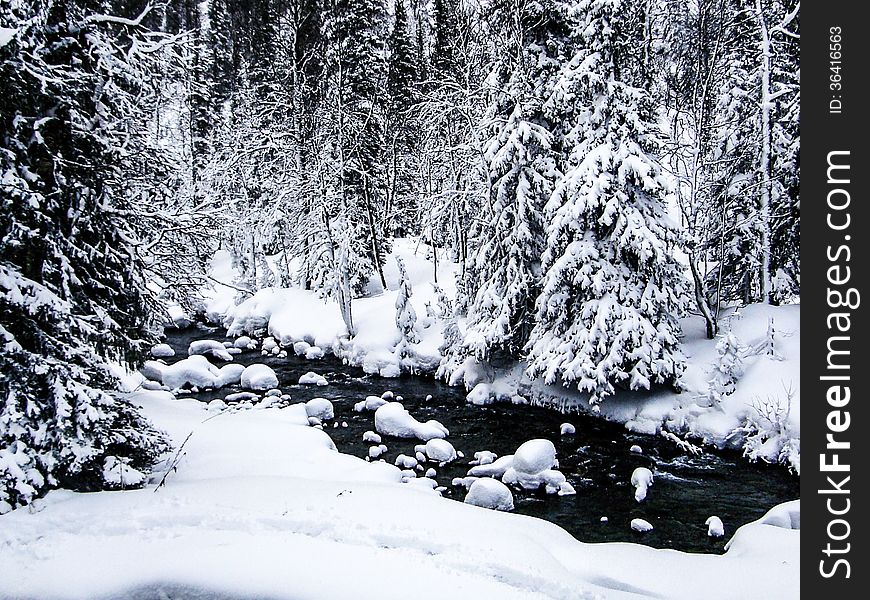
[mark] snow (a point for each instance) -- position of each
(229, 375)
(314, 353)
(370, 403)
(300, 348)
(484, 457)
(392, 419)
(715, 527)
(497, 468)
(245, 343)
(320, 408)
(641, 525)
(211, 348)
(440, 451)
(490, 493)
(192, 371)
(253, 523)
(162, 351)
(641, 479)
(119, 474)
(258, 377)
(312, 378)
(372, 437)
(480, 395)
(7, 35)
(567, 429)
(636, 449)
(535, 456)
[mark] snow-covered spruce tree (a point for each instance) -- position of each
(727, 370)
(406, 316)
(612, 291)
(74, 88)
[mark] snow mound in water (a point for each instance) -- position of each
(441, 451)
(715, 527)
(300, 348)
(370, 403)
(245, 343)
(490, 493)
(567, 429)
(392, 419)
(162, 351)
(535, 456)
(641, 525)
(484, 457)
(641, 479)
(480, 395)
(496, 468)
(229, 375)
(312, 378)
(314, 353)
(371, 437)
(153, 370)
(320, 408)
(192, 371)
(259, 377)
(212, 348)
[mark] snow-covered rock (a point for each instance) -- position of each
(405, 462)
(490, 493)
(314, 353)
(370, 403)
(480, 395)
(258, 377)
(371, 437)
(245, 343)
(636, 449)
(269, 344)
(392, 419)
(242, 397)
(312, 378)
(641, 479)
(212, 348)
(229, 375)
(320, 408)
(484, 457)
(430, 473)
(300, 348)
(535, 456)
(440, 451)
(153, 370)
(162, 351)
(715, 527)
(216, 405)
(567, 429)
(193, 371)
(496, 468)
(641, 525)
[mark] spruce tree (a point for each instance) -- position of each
(612, 291)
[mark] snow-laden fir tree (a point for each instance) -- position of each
(75, 91)
(727, 370)
(406, 316)
(612, 290)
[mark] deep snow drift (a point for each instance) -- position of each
(257, 503)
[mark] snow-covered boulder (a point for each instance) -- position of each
(430, 473)
(212, 348)
(242, 397)
(314, 353)
(392, 419)
(370, 403)
(162, 351)
(440, 451)
(567, 429)
(535, 456)
(320, 408)
(641, 479)
(371, 437)
(496, 468)
(406, 462)
(641, 525)
(269, 344)
(715, 527)
(312, 378)
(194, 371)
(484, 457)
(153, 370)
(300, 348)
(480, 395)
(216, 405)
(245, 343)
(490, 493)
(258, 377)
(636, 449)
(229, 375)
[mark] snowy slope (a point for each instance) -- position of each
(261, 505)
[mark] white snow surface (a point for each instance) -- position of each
(258, 499)
(212, 348)
(162, 351)
(312, 378)
(490, 493)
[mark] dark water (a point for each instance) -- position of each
(596, 460)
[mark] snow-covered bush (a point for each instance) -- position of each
(406, 317)
(768, 434)
(728, 369)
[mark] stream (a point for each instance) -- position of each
(597, 460)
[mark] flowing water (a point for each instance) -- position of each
(597, 460)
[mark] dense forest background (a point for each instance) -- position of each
(582, 161)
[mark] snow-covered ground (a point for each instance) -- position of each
(259, 504)
(759, 412)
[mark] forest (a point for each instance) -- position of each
(594, 170)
